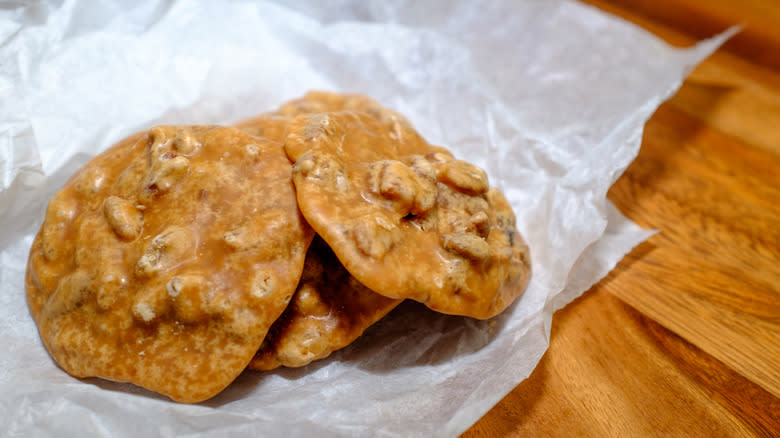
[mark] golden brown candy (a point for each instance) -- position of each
(139, 273)
(407, 219)
(330, 309)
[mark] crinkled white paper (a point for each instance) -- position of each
(549, 96)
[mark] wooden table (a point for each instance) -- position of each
(683, 337)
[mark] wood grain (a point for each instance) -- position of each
(708, 176)
(714, 278)
(759, 41)
(683, 337)
(658, 384)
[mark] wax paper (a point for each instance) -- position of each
(550, 96)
